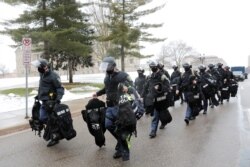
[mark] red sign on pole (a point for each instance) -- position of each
(26, 50)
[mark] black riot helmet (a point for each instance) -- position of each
(219, 65)
(210, 66)
(108, 64)
(175, 67)
(153, 66)
(41, 65)
(202, 68)
(186, 66)
(140, 70)
(160, 66)
(227, 67)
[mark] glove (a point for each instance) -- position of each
(138, 115)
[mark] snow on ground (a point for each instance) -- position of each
(13, 102)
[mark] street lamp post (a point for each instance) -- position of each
(202, 58)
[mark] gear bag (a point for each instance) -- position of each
(225, 92)
(34, 122)
(126, 118)
(94, 116)
(194, 100)
(233, 88)
(165, 116)
(60, 124)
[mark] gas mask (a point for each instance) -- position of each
(154, 69)
(186, 69)
(110, 71)
(41, 70)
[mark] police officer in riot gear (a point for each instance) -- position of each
(212, 71)
(175, 81)
(228, 74)
(111, 81)
(184, 84)
(224, 88)
(221, 72)
(229, 77)
(154, 93)
(176, 73)
(50, 88)
(165, 72)
(215, 74)
(194, 96)
(140, 80)
(208, 87)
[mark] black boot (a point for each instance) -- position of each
(117, 154)
(162, 126)
(52, 143)
(152, 134)
(125, 156)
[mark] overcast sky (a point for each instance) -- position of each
(212, 27)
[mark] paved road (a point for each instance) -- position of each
(218, 139)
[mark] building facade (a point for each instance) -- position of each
(131, 64)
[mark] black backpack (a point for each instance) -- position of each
(94, 116)
(34, 122)
(59, 124)
(233, 88)
(126, 118)
(225, 91)
(64, 121)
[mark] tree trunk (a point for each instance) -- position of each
(46, 50)
(122, 58)
(70, 71)
(122, 47)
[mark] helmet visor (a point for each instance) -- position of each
(36, 63)
(105, 66)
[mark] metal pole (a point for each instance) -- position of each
(27, 92)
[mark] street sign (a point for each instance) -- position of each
(26, 50)
(26, 61)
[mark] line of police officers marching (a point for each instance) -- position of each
(155, 92)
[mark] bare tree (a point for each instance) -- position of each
(3, 69)
(164, 57)
(175, 52)
(100, 22)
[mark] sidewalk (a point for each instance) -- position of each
(15, 121)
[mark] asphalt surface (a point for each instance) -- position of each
(218, 139)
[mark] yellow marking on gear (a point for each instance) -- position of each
(128, 141)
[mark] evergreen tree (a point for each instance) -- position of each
(124, 34)
(63, 29)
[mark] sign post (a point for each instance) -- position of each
(26, 62)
